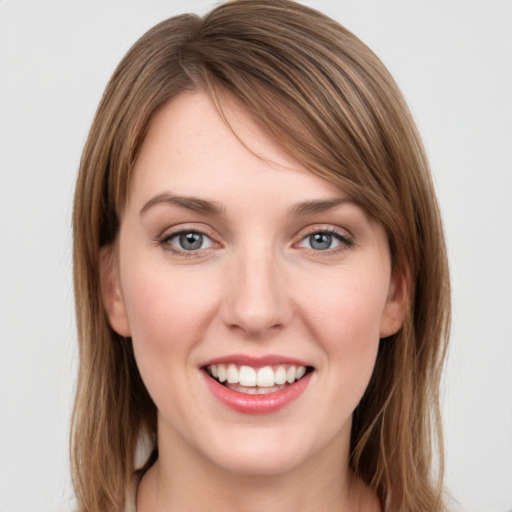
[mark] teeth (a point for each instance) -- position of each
(301, 371)
(257, 380)
(221, 372)
(254, 390)
(281, 375)
(266, 377)
(247, 376)
(232, 374)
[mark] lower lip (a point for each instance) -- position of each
(257, 404)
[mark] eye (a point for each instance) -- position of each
(325, 240)
(187, 241)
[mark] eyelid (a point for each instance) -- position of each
(178, 235)
(324, 228)
(345, 238)
(343, 235)
(169, 233)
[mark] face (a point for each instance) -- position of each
(248, 270)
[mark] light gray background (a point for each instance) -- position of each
(453, 61)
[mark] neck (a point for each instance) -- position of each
(183, 480)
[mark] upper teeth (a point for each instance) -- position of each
(267, 376)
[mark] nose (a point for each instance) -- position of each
(257, 299)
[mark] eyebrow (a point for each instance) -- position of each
(211, 208)
(312, 207)
(190, 203)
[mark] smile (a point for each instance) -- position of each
(256, 386)
(256, 381)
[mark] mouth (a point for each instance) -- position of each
(251, 380)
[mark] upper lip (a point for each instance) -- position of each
(256, 361)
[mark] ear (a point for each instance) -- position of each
(111, 291)
(396, 305)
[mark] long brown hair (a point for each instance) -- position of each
(333, 105)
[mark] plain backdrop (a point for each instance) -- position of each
(453, 61)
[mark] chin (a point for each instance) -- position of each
(259, 464)
(259, 453)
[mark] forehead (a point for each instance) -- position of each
(189, 149)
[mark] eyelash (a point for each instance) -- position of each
(345, 242)
(164, 241)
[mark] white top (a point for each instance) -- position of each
(131, 495)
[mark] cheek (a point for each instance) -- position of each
(348, 310)
(344, 316)
(168, 312)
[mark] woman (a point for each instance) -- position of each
(260, 275)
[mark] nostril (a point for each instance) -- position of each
(255, 328)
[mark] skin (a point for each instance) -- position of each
(256, 287)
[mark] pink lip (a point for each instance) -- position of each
(256, 362)
(256, 404)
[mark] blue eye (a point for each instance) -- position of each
(188, 241)
(325, 240)
(320, 241)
